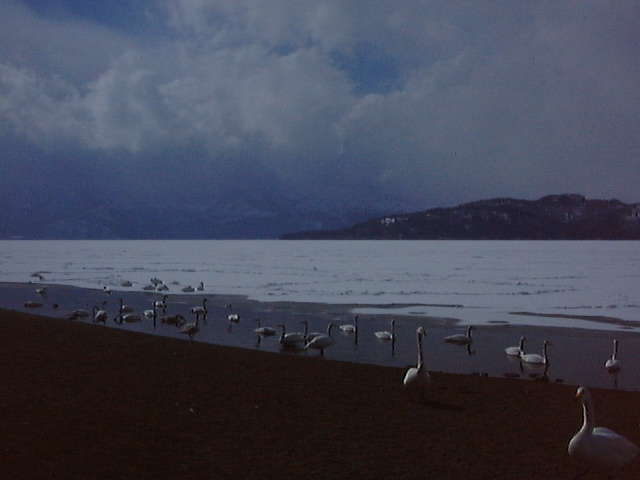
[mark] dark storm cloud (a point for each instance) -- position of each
(392, 106)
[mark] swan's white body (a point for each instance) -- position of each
(386, 335)
(99, 315)
(460, 339)
(200, 309)
(232, 317)
(264, 331)
(348, 328)
(149, 313)
(322, 341)
(598, 446)
(535, 358)
(417, 378)
(293, 339)
(516, 351)
(613, 364)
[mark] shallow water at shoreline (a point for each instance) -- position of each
(576, 357)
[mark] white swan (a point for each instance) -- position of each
(232, 317)
(599, 446)
(293, 339)
(350, 329)
(417, 378)
(516, 351)
(613, 364)
(264, 331)
(321, 341)
(536, 359)
(386, 335)
(200, 309)
(149, 314)
(460, 339)
(99, 315)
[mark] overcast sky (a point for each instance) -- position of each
(410, 104)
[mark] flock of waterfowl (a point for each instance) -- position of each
(595, 446)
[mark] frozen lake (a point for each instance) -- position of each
(573, 283)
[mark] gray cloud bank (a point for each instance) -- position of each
(313, 113)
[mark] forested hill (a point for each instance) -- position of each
(554, 217)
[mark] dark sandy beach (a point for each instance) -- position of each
(83, 401)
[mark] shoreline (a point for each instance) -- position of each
(91, 402)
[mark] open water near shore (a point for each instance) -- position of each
(580, 295)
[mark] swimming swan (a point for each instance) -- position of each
(460, 339)
(264, 331)
(386, 335)
(536, 359)
(599, 446)
(322, 341)
(417, 378)
(516, 351)
(350, 329)
(613, 364)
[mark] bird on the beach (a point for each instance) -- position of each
(264, 331)
(200, 286)
(188, 288)
(200, 309)
(535, 358)
(460, 338)
(322, 341)
(106, 290)
(516, 351)
(99, 315)
(598, 446)
(130, 318)
(149, 287)
(386, 335)
(150, 313)
(232, 317)
(417, 378)
(126, 283)
(613, 364)
(162, 288)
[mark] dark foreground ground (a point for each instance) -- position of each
(81, 401)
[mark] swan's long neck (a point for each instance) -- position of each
(329, 327)
(544, 353)
(588, 415)
(522, 344)
(615, 349)
(420, 354)
(469, 332)
(284, 331)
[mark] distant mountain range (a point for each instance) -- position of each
(554, 217)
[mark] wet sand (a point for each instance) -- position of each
(83, 401)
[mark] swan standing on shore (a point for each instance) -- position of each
(460, 339)
(417, 378)
(386, 335)
(599, 446)
(322, 341)
(613, 364)
(348, 328)
(536, 359)
(516, 351)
